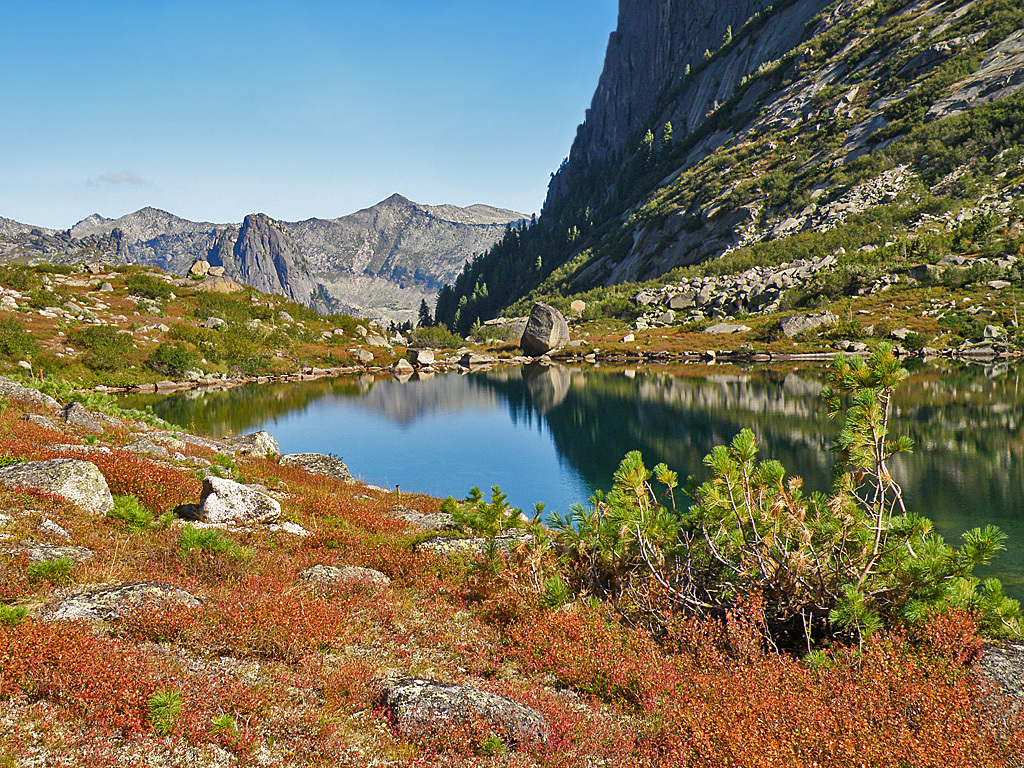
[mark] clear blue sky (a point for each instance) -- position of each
(214, 109)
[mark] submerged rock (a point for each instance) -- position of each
(424, 709)
(77, 481)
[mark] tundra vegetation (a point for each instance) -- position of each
(737, 622)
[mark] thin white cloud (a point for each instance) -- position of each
(121, 177)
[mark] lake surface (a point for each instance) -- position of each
(554, 434)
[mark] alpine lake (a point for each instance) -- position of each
(553, 434)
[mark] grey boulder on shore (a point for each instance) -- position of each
(225, 502)
(546, 330)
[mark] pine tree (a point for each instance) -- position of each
(425, 319)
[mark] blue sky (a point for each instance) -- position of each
(215, 109)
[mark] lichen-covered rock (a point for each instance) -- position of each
(77, 481)
(260, 444)
(319, 464)
(427, 521)
(423, 710)
(225, 502)
(330, 575)
(110, 603)
(15, 391)
(40, 421)
(38, 553)
(505, 543)
(77, 415)
(363, 356)
(546, 330)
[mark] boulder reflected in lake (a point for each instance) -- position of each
(548, 385)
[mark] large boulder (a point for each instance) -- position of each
(77, 481)
(546, 330)
(15, 391)
(225, 502)
(423, 710)
(319, 464)
(261, 444)
(109, 603)
(421, 357)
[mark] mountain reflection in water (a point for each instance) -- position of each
(553, 434)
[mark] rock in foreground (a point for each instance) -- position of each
(109, 603)
(225, 502)
(423, 710)
(546, 330)
(77, 481)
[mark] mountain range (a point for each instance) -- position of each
(380, 262)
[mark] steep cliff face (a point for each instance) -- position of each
(655, 70)
(266, 256)
(722, 127)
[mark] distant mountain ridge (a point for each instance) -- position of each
(379, 262)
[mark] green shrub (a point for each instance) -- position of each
(172, 359)
(106, 347)
(130, 514)
(478, 516)
(56, 572)
(164, 707)
(435, 337)
(18, 277)
(7, 461)
(210, 541)
(148, 286)
(15, 342)
(12, 615)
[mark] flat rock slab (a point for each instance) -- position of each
(77, 481)
(319, 464)
(12, 389)
(330, 575)
(424, 710)
(261, 444)
(504, 543)
(726, 328)
(39, 553)
(427, 521)
(1004, 665)
(109, 603)
(226, 502)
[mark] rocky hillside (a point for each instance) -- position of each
(771, 132)
(380, 262)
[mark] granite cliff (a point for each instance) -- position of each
(718, 128)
